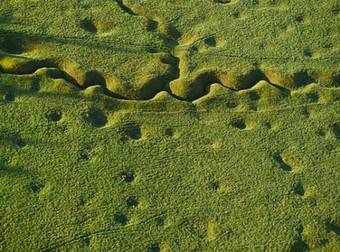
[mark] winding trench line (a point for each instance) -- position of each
(69, 79)
(171, 37)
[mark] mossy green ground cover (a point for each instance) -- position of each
(194, 125)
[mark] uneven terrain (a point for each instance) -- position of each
(144, 125)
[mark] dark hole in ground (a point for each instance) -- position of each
(154, 248)
(299, 19)
(336, 129)
(211, 41)
(85, 241)
(36, 187)
(82, 202)
(151, 25)
(215, 185)
(313, 97)
(331, 227)
(160, 221)
(299, 246)
(35, 86)
(96, 118)
(169, 132)
(121, 219)
(254, 96)
(88, 25)
(302, 79)
(308, 52)
(127, 176)
(298, 189)
(132, 130)
(239, 124)
(277, 157)
(236, 14)
(20, 142)
(83, 156)
(132, 202)
(54, 116)
(9, 97)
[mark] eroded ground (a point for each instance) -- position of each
(169, 126)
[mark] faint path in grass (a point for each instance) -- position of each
(100, 232)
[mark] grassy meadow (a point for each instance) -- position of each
(169, 125)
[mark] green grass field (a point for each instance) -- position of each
(170, 125)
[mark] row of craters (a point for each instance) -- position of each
(121, 218)
(131, 201)
(133, 130)
(98, 119)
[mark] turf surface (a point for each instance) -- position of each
(146, 125)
